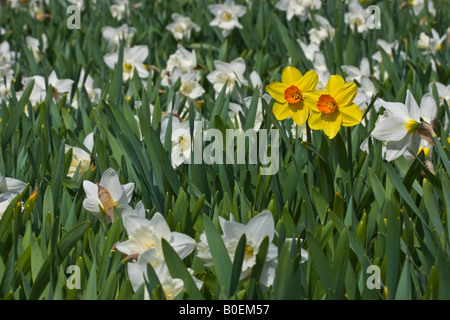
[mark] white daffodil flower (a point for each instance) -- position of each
(259, 117)
(35, 47)
(419, 5)
(137, 273)
(431, 44)
(103, 197)
(320, 66)
(94, 94)
(229, 74)
(145, 235)
(181, 27)
(299, 8)
(389, 48)
(325, 30)
(133, 59)
(60, 87)
(119, 9)
(190, 89)
(356, 16)
(226, 16)
(7, 60)
(9, 189)
(309, 49)
(444, 94)
(80, 158)
(179, 63)
(114, 35)
(255, 230)
(180, 138)
(399, 127)
(355, 73)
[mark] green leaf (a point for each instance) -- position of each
(219, 253)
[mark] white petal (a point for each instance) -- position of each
(390, 129)
(428, 108)
(110, 180)
(260, 226)
(395, 149)
(182, 244)
(13, 185)
(90, 189)
(162, 229)
(412, 106)
(92, 205)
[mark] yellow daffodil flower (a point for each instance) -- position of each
(290, 94)
(334, 107)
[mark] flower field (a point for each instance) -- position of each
(224, 150)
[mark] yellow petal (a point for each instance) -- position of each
(299, 112)
(345, 95)
(291, 76)
(276, 90)
(315, 121)
(331, 124)
(308, 82)
(310, 99)
(281, 110)
(334, 82)
(351, 115)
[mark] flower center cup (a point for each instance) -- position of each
(248, 251)
(127, 67)
(327, 104)
(412, 125)
(226, 16)
(292, 94)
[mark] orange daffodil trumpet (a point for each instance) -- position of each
(328, 110)
(291, 93)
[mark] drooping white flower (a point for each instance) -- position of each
(9, 189)
(35, 47)
(146, 235)
(103, 197)
(227, 16)
(399, 127)
(255, 230)
(119, 9)
(355, 73)
(431, 44)
(172, 287)
(7, 59)
(309, 49)
(94, 94)
(114, 35)
(320, 66)
(259, 117)
(80, 158)
(419, 5)
(229, 74)
(389, 48)
(179, 63)
(182, 27)
(133, 59)
(299, 8)
(325, 30)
